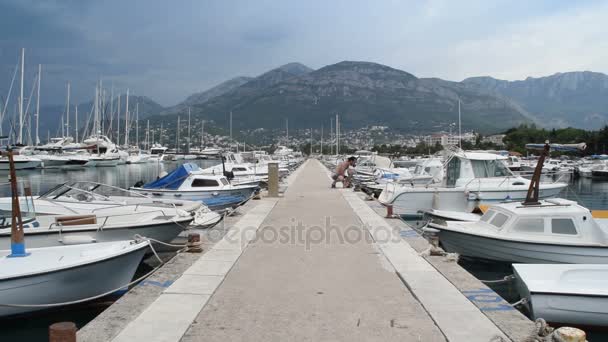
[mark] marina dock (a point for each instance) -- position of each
(314, 264)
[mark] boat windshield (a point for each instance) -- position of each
(26, 206)
(489, 168)
(86, 192)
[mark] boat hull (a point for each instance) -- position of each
(21, 165)
(69, 284)
(44, 237)
(214, 199)
(519, 252)
(414, 199)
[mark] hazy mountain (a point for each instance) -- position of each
(363, 94)
(578, 99)
(202, 97)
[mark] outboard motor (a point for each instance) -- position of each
(139, 184)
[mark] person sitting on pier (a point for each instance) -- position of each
(341, 174)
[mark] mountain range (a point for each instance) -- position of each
(365, 93)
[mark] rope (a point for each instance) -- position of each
(51, 305)
(520, 302)
(503, 280)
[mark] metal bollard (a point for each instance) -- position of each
(62, 332)
(569, 334)
(389, 211)
(194, 243)
(273, 179)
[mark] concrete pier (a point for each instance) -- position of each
(318, 264)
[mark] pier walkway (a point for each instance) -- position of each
(322, 267)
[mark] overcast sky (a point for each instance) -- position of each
(170, 49)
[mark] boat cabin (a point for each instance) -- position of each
(554, 220)
(466, 166)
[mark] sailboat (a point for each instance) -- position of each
(40, 278)
(21, 162)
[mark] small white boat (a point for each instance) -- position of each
(552, 231)
(21, 163)
(103, 161)
(138, 158)
(188, 182)
(565, 294)
(68, 273)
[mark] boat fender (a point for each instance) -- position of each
(76, 239)
(182, 213)
(215, 193)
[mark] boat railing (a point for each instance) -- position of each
(95, 219)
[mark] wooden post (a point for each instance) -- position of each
(532, 196)
(17, 242)
(62, 332)
(273, 179)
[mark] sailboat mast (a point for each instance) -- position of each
(177, 137)
(189, 136)
(459, 127)
(160, 134)
(118, 121)
(76, 123)
(67, 114)
(111, 107)
(38, 104)
(137, 124)
(230, 126)
(148, 135)
(337, 134)
(127, 120)
(202, 134)
(20, 140)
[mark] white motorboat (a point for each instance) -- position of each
(552, 231)
(565, 294)
(103, 161)
(138, 158)
(471, 179)
(68, 273)
(100, 225)
(21, 163)
(156, 152)
(188, 182)
(84, 198)
(210, 151)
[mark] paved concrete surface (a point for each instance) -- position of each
(283, 289)
(512, 322)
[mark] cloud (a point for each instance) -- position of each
(167, 50)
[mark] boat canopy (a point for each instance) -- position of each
(174, 179)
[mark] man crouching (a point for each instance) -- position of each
(341, 174)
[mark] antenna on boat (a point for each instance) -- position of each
(532, 196)
(17, 239)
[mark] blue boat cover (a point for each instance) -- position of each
(174, 179)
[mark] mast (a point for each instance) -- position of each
(311, 141)
(148, 135)
(459, 127)
(76, 123)
(331, 132)
(111, 107)
(118, 121)
(160, 134)
(20, 139)
(38, 104)
(287, 129)
(127, 120)
(321, 139)
(137, 124)
(337, 134)
(202, 134)
(189, 136)
(67, 115)
(96, 125)
(230, 126)
(177, 137)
